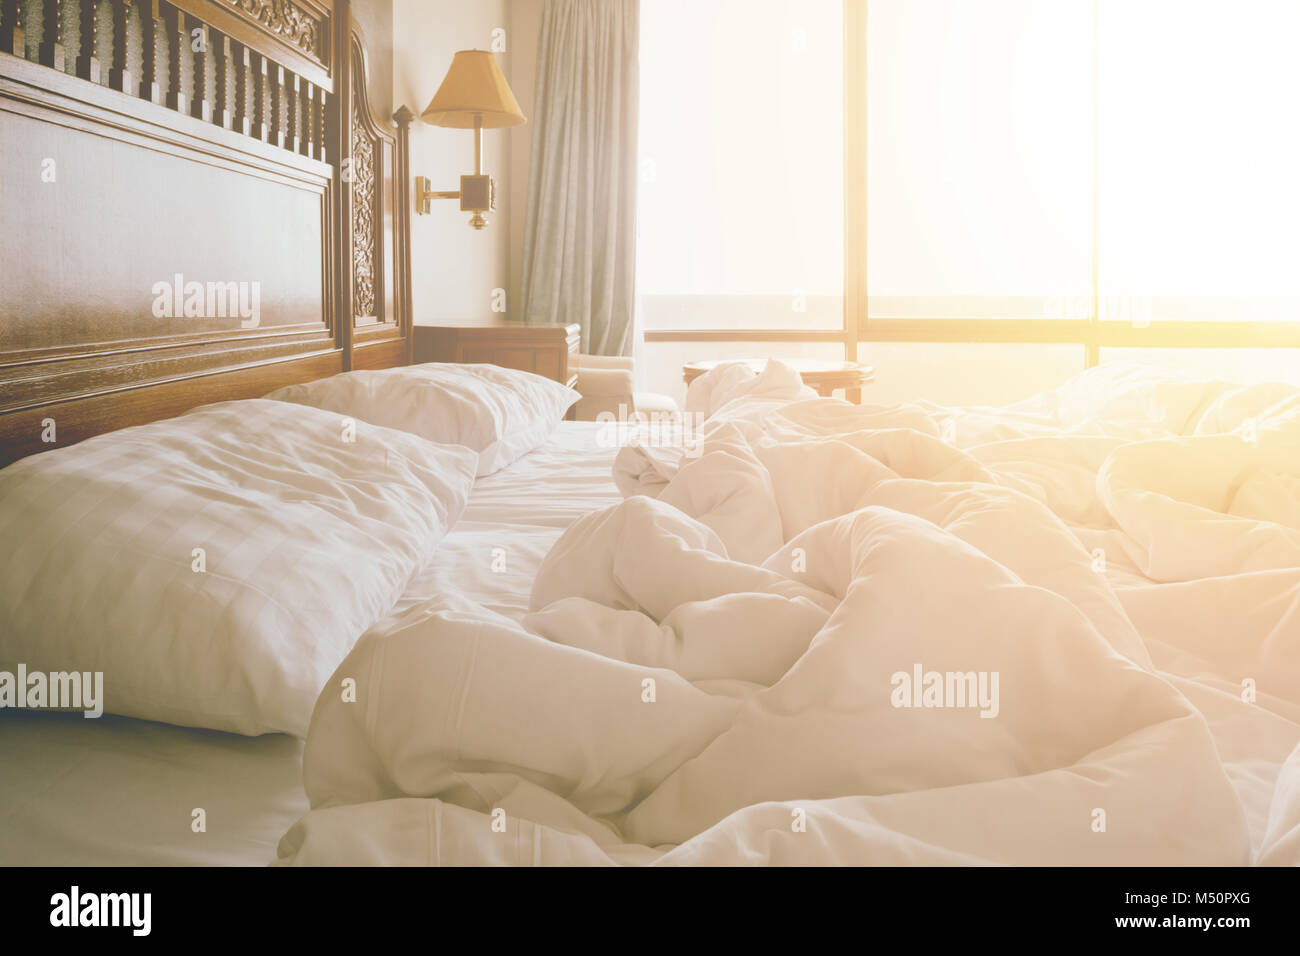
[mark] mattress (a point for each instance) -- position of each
(116, 791)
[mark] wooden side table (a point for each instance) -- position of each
(549, 350)
(824, 377)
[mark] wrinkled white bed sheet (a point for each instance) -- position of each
(716, 671)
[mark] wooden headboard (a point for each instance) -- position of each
(197, 203)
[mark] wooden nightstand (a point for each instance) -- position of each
(549, 350)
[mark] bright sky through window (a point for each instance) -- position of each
(742, 148)
(982, 157)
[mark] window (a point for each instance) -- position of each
(741, 208)
(979, 158)
(888, 179)
(1198, 155)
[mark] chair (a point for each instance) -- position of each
(607, 384)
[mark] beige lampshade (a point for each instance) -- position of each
(473, 86)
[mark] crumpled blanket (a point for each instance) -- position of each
(1063, 632)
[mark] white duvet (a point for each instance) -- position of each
(1062, 632)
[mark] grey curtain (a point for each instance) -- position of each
(580, 231)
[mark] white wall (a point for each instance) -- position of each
(454, 268)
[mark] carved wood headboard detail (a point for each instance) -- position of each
(379, 219)
(197, 204)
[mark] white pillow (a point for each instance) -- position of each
(501, 413)
(217, 567)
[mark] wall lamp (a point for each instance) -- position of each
(473, 95)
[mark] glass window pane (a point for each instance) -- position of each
(965, 373)
(1199, 148)
(1248, 366)
(979, 158)
(740, 210)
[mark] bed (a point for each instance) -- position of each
(225, 155)
(117, 791)
(398, 614)
(740, 574)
